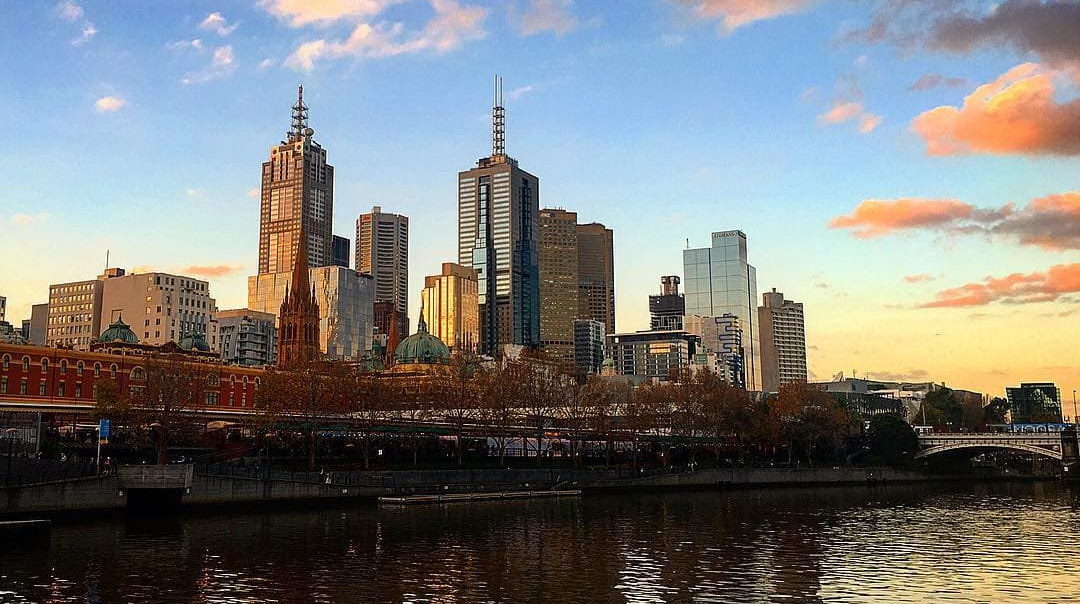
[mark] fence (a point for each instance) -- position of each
(24, 471)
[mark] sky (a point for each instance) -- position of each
(907, 169)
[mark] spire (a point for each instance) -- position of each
(299, 116)
(300, 286)
(421, 326)
(498, 121)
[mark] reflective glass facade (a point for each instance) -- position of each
(718, 280)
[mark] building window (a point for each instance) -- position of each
(79, 368)
(7, 361)
(112, 371)
(3, 385)
(22, 383)
(61, 390)
(41, 388)
(78, 390)
(138, 373)
(212, 398)
(44, 364)
(97, 370)
(63, 366)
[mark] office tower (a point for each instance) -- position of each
(159, 307)
(341, 251)
(559, 289)
(667, 309)
(74, 312)
(1034, 403)
(721, 348)
(382, 251)
(589, 338)
(596, 274)
(651, 354)
(498, 235)
(299, 315)
(297, 196)
(783, 341)
(720, 281)
(39, 320)
(247, 337)
(450, 307)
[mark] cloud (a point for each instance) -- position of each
(219, 270)
(1017, 288)
(877, 217)
(298, 13)
(734, 14)
(194, 44)
(69, 11)
(267, 63)
(253, 192)
(1016, 113)
(845, 110)
(1051, 222)
(520, 91)
(920, 278)
(912, 375)
(222, 65)
(1049, 29)
(193, 192)
(109, 104)
(217, 23)
(451, 25)
(25, 219)
(542, 16)
(88, 32)
(928, 81)
(672, 40)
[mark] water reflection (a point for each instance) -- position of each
(989, 543)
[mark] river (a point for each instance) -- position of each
(1016, 542)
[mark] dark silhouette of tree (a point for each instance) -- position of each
(891, 440)
(166, 398)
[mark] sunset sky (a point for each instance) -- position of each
(908, 169)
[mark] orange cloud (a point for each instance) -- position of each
(219, 270)
(734, 14)
(920, 278)
(1051, 222)
(843, 111)
(877, 217)
(1016, 113)
(1016, 288)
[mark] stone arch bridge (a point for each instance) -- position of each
(1055, 445)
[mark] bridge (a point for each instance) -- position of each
(1047, 444)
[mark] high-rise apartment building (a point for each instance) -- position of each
(720, 281)
(382, 251)
(159, 307)
(297, 196)
(450, 307)
(247, 337)
(559, 285)
(721, 343)
(1034, 402)
(666, 310)
(74, 315)
(596, 274)
(783, 341)
(498, 235)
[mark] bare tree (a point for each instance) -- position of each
(543, 388)
(309, 391)
(165, 395)
(500, 388)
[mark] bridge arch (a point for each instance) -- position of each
(935, 449)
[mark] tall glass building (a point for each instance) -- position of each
(718, 280)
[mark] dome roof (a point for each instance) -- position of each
(119, 331)
(421, 348)
(193, 341)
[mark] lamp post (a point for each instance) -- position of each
(1075, 420)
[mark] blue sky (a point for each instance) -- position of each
(664, 119)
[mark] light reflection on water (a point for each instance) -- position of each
(967, 543)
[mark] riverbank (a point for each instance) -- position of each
(230, 485)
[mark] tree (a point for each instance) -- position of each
(455, 394)
(309, 391)
(366, 398)
(995, 411)
(891, 440)
(500, 388)
(543, 387)
(165, 395)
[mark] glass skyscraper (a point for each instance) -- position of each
(718, 280)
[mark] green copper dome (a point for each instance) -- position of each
(193, 341)
(421, 348)
(119, 332)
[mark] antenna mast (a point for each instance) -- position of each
(498, 121)
(299, 115)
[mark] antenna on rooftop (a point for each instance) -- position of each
(498, 121)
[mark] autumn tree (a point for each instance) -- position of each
(309, 391)
(543, 388)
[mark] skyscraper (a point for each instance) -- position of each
(667, 309)
(721, 343)
(498, 235)
(450, 308)
(382, 251)
(720, 281)
(783, 341)
(596, 274)
(340, 254)
(559, 286)
(297, 195)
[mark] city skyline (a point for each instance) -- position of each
(892, 280)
